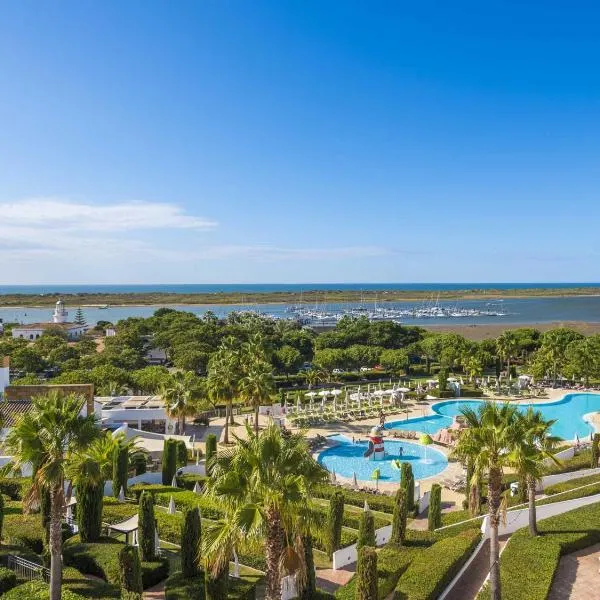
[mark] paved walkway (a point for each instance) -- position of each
(155, 593)
(330, 580)
(577, 576)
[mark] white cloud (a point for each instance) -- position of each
(56, 213)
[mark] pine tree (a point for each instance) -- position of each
(80, 317)
(434, 517)
(366, 574)
(366, 530)
(190, 542)
(169, 461)
(146, 527)
(89, 511)
(399, 518)
(334, 522)
(407, 482)
(120, 469)
(131, 572)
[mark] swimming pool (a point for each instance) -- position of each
(347, 458)
(568, 413)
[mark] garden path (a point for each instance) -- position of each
(577, 576)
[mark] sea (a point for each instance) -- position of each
(515, 310)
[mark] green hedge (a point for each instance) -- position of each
(528, 564)
(94, 589)
(24, 530)
(15, 487)
(435, 567)
(37, 590)
(188, 480)
(102, 560)
(8, 580)
(178, 587)
(392, 561)
(376, 502)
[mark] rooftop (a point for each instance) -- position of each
(34, 326)
(130, 402)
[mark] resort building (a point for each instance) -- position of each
(147, 413)
(33, 331)
(4, 373)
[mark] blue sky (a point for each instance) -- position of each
(285, 141)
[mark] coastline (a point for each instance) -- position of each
(333, 296)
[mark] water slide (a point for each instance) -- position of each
(370, 450)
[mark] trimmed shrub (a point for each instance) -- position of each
(366, 574)
(310, 585)
(24, 530)
(8, 580)
(366, 533)
(595, 450)
(120, 470)
(407, 482)
(431, 571)
(178, 587)
(400, 517)
(189, 480)
(211, 451)
(15, 487)
(217, 587)
(434, 516)
(130, 570)
(89, 511)
(169, 461)
(182, 453)
(190, 542)
(139, 463)
(37, 590)
(379, 502)
(334, 523)
(147, 527)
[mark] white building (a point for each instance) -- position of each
(139, 412)
(4, 373)
(33, 331)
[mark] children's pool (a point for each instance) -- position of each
(347, 459)
(567, 412)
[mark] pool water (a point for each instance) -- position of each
(568, 413)
(347, 458)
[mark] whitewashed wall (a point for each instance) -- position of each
(349, 554)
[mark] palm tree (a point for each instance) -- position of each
(257, 385)
(488, 442)
(507, 346)
(180, 394)
(533, 446)
(313, 376)
(264, 483)
(45, 437)
(222, 381)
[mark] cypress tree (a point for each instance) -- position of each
(190, 542)
(334, 522)
(366, 574)
(399, 518)
(139, 463)
(182, 454)
(366, 530)
(89, 511)
(407, 482)
(169, 461)
(211, 451)
(309, 590)
(146, 527)
(434, 516)
(595, 450)
(1, 514)
(131, 572)
(120, 469)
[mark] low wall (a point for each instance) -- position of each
(349, 554)
(549, 480)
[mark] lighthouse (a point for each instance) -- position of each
(60, 313)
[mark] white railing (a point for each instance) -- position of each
(25, 569)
